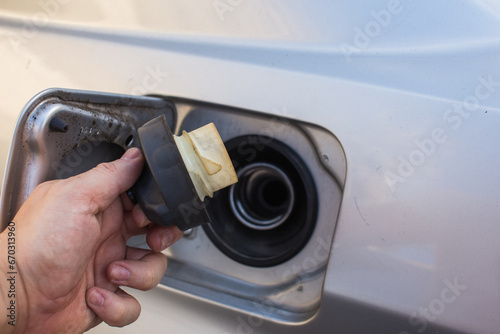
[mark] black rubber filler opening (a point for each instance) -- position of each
(267, 198)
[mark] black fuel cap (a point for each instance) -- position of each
(165, 190)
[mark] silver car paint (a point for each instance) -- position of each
(416, 242)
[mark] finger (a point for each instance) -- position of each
(139, 216)
(135, 222)
(114, 308)
(161, 237)
(130, 227)
(143, 273)
(134, 253)
(104, 183)
(126, 202)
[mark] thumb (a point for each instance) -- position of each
(101, 185)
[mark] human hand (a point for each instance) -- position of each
(71, 255)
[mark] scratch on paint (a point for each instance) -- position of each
(359, 211)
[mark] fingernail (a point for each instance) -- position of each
(166, 240)
(132, 153)
(95, 298)
(119, 273)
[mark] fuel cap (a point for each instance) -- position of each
(179, 172)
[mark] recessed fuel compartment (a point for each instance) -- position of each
(267, 248)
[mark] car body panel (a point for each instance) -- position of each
(424, 88)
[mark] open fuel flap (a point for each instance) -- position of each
(267, 246)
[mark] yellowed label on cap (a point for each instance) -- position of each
(206, 160)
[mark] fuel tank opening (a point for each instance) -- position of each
(264, 197)
(270, 214)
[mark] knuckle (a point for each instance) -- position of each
(154, 271)
(47, 187)
(107, 168)
(119, 316)
(124, 313)
(136, 314)
(150, 279)
(164, 263)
